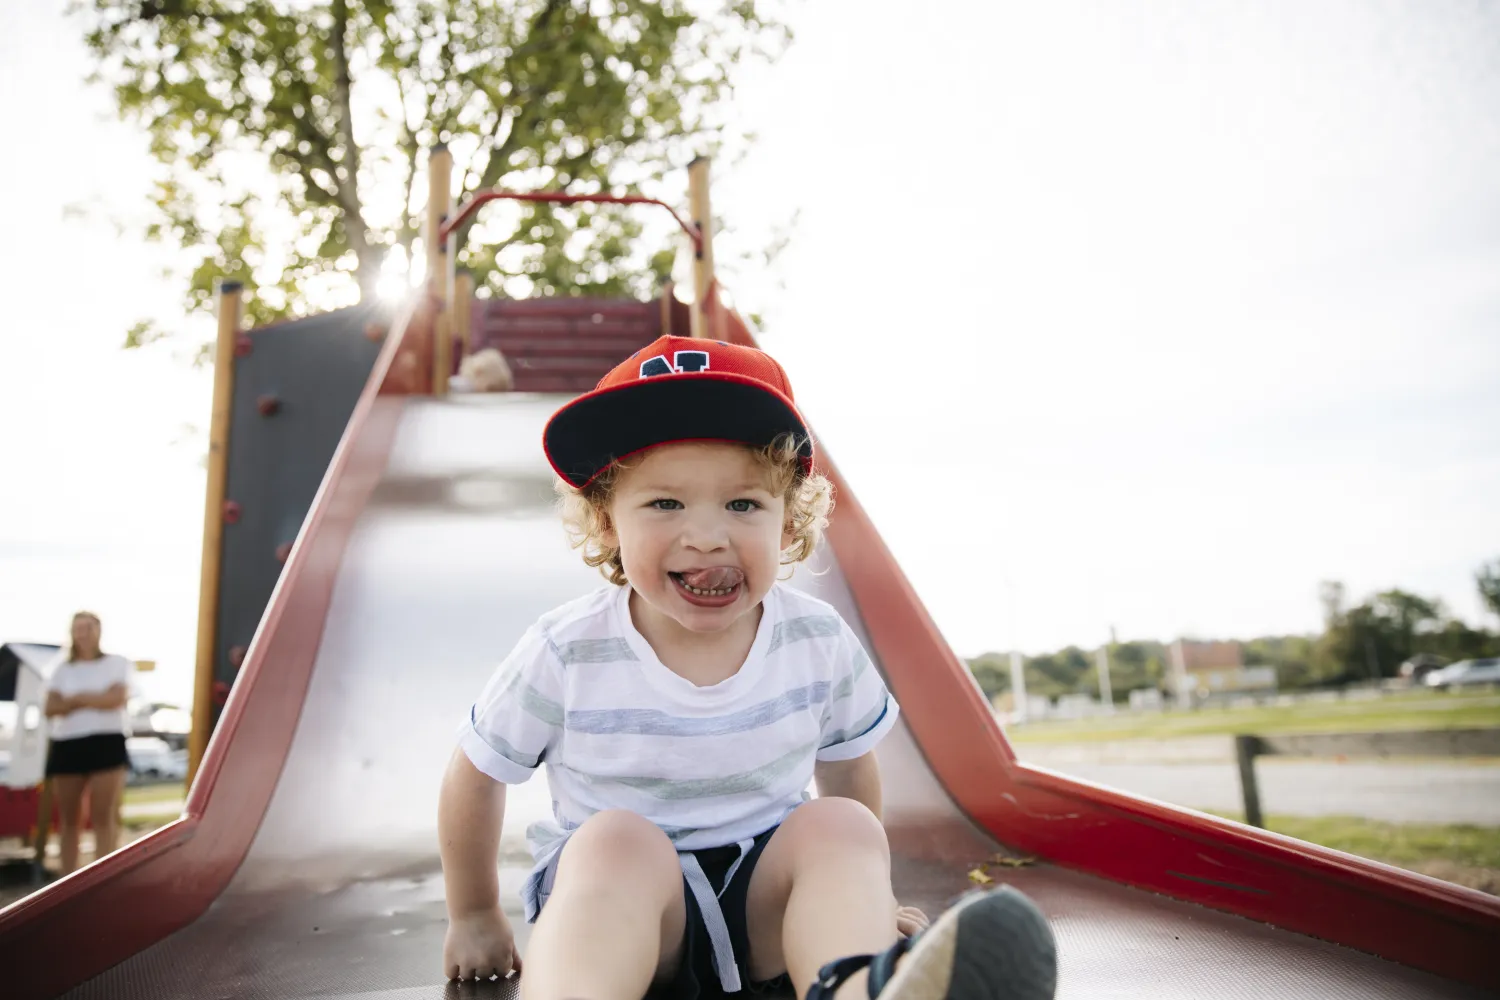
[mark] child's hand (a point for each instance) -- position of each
(480, 945)
(910, 920)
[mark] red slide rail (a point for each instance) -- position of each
(482, 198)
(1418, 921)
(181, 868)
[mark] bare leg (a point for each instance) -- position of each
(616, 917)
(821, 891)
(69, 791)
(105, 791)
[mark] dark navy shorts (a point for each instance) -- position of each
(87, 754)
(696, 978)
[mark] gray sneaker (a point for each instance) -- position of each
(987, 946)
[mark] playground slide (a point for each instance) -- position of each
(305, 863)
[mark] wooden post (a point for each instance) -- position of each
(666, 309)
(463, 313)
(43, 826)
(440, 263)
(442, 351)
(1245, 750)
(230, 308)
(703, 260)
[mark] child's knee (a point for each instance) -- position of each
(616, 842)
(837, 824)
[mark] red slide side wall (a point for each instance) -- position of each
(183, 867)
(1412, 919)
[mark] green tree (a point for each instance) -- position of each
(1456, 640)
(1487, 577)
(1058, 673)
(1406, 616)
(1293, 656)
(1132, 666)
(291, 133)
(1331, 596)
(1371, 641)
(992, 671)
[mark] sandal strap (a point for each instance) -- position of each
(835, 974)
(882, 968)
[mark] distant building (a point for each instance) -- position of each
(1198, 657)
(1204, 670)
(1145, 700)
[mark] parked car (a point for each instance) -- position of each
(1466, 672)
(152, 758)
(1420, 666)
(156, 718)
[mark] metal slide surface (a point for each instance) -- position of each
(456, 551)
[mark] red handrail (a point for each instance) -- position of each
(469, 207)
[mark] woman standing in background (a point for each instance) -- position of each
(86, 697)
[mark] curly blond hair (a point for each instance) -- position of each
(808, 498)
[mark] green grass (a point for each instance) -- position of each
(176, 791)
(1394, 843)
(1417, 710)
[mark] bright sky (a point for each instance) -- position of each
(1144, 315)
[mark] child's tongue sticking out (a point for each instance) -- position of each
(713, 578)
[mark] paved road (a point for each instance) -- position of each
(1396, 792)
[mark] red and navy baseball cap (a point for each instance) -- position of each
(675, 389)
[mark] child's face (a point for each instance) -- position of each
(700, 532)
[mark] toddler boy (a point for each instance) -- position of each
(682, 711)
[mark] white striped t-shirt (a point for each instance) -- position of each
(584, 693)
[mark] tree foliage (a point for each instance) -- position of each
(1295, 658)
(1487, 578)
(1372, 640)
(1366, 642)
(1133, 665)
(292, 134)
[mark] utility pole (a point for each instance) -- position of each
(1018, 686)
(1106, 695)
(1179, 674)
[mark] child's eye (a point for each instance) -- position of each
(663, 503)
(743, 506)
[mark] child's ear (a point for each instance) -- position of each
(607, 533)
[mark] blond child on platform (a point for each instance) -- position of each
(682, 711)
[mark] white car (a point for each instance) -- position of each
(153, 758)
(1466, 672)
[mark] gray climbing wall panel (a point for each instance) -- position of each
(295, 385)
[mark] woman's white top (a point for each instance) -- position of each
(89, 677)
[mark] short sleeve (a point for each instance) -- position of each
(57, 677)
(123, 673)
(860, 709)
(519, 714)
